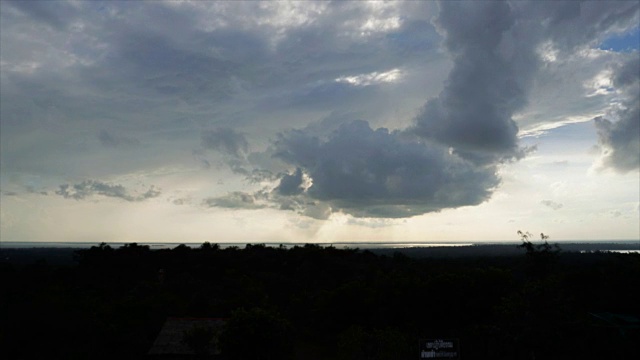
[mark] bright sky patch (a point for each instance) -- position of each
(626, 42)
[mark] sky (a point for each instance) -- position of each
(316, 122)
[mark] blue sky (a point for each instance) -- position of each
(628, 41)
(318, 121)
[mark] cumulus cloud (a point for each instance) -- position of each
(90, 188)
(490, 80)
(497, 49)
(620, 139)
(225, 140)
(551, 204)
(291, 184)
(377, 173)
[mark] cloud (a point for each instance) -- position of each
(81, 71)
(302, 205)
(626, 75)
(620, 140)
(27, 189)
(46, 12)
(615, 213)
(377, 173)
(316, 210)
(490, 80)
(225, 140)
(497, 49)
(234, 200)
(572, 24)
(199, 157)
(551, 204)
(373, 223)
(373, 78)
(104, 66)
(90, 188)
(559, 164)
(108, 139)
(181, 201)
(291, 184)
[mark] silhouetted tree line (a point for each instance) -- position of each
(314, 302)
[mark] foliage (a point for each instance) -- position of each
(542, 257)
(532, 250)
(257, 334)
(321, 302)
(201, 339)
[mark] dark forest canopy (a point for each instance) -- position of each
(314, 302)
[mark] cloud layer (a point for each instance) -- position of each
(225, 140)
(620, 139)
(91, 188)
(378, 173)
(490, 80)
(372, 109)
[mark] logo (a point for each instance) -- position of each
(439, 349)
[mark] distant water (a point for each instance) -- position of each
(153, 245)
(616, 251)
(622, 246)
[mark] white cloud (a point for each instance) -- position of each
(600, 84)
(391, 76)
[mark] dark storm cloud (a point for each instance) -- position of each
(620, 140)
(490, 80)
(291, 184)
(89, 188)
(368, 172)
(494, 49)
(225, 140)
(626, 76)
